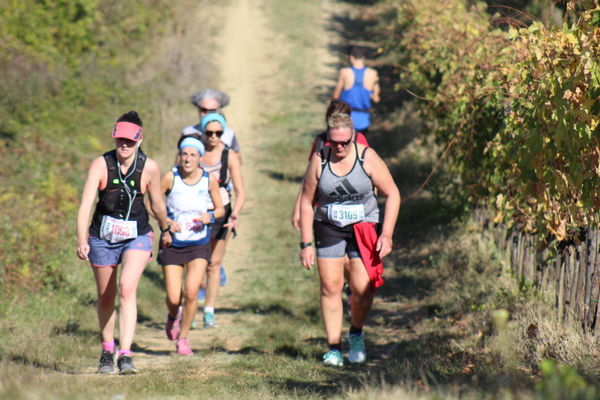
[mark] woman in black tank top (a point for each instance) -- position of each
(224, 165)
(120, 234)
(346, 228)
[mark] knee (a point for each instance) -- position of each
(127, 293)
(332, 287)
(172, 299)
(213, 267)
(362, 296)
(191, 296)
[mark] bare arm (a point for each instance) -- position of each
(376, 89)
(307, 213)
(96, 173)
(235, 170)
(296, 211)
(384, 182)
(157, 203)
(166, 183)
(339, 86)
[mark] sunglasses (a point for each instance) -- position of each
(207, 110)
(342, 143)
(210, 133)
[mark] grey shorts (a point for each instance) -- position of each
(334, 242)
(340, 249)
(106, 254)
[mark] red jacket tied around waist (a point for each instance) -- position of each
(366, 238)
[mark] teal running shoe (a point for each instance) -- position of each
(357, 353)
(209, 320)
(333, 357)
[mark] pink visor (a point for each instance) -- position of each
(128, 130)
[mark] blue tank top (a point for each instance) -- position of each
(359, 99)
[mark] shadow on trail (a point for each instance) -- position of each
(32, 362)
(243, 351)
(73, 328)
(306, 387)
(279, 176)
(145, 350)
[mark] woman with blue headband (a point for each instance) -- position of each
(224, 165)
(189, 190)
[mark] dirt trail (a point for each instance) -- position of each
(241, 63)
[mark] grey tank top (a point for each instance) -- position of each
(353, 189)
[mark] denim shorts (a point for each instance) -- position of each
(106, 254)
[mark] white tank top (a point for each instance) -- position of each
(185, 203)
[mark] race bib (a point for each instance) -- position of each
(117, 230)
(192, 229)
(345, 214)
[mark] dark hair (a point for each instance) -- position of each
(356, 52)
(337, 106)
(192, 135)
(132, 117)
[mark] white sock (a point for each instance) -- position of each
(209, 309)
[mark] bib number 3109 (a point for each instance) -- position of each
(345, 214)
(117, 230)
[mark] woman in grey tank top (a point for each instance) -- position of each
(342, 179)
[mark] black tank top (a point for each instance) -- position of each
(114, 201)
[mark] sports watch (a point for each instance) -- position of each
(304, 245)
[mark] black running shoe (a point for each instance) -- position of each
(126, 366)
(107, 363)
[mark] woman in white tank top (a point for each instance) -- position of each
(189, 190)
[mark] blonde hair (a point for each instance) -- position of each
(340, 120)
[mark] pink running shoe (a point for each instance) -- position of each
(173, 326)
(183, 347)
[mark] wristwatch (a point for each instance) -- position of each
(167, 229)
(304, 245)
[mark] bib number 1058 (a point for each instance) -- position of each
(117, 230)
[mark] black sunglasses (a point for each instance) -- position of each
(207, 110)
(210, 133)
(343, 143)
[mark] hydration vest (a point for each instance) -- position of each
(113, 199)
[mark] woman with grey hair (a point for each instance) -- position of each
(212, 101)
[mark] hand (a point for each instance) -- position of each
(232, 222)
(307, 257)
(296, 219)
(204, 218)
(175, 227)
(83, 249)
(384, 245)
(165, 239)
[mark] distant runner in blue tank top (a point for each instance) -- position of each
(358, 85)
